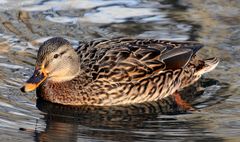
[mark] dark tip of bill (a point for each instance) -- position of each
(23, 89)
(22, 129)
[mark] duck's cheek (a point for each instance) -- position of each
(33, 82)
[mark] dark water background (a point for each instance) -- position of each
(215, 23)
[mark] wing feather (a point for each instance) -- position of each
(124, 59)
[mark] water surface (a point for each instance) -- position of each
(26, 24)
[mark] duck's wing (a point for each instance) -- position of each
(125, 59)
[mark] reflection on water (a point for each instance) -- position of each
(26, 24)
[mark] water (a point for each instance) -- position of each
(26, 24)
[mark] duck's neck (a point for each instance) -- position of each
(71, 92)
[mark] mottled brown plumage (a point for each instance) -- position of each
(124, 71)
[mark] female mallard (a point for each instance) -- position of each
(115, 72)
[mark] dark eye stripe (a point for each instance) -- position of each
(63, 52)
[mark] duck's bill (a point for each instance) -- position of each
(33, 82)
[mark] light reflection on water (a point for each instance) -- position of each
(24, 25)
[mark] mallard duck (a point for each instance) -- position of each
(117, 71)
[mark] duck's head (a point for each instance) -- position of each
(56, 61)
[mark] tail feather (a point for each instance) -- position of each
(209, 65)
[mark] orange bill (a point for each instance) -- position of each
(33, 82)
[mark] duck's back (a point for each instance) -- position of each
(134, 56)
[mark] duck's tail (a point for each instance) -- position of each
(202, 66)
(209, 65)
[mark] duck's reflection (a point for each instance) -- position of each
(68, 123)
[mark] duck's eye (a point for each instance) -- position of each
(55, 56)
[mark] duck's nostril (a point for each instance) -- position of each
(23, 89)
